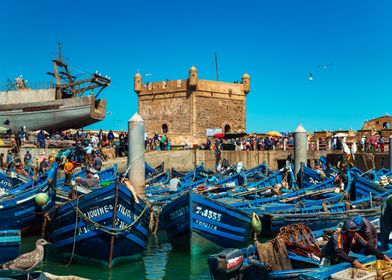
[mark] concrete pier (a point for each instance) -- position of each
(136, 153)
(300, 148)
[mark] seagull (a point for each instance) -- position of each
(310, 77)
(28, 261)
(325, 67)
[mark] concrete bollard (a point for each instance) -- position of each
(300, 149)
(136, 153)
(390, 152)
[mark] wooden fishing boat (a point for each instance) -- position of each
(198, 224)
(9, 245)
(317, 217)
(245, 264)
(19, 209)
(108, 219)
(106, 177)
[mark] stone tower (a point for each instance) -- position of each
(137, 83)
(186, 109)
(193, 77)
(246, 82)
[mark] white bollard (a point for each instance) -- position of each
(300, 148)
(136, 159)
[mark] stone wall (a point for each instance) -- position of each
(214, 112)
(378, 123)
(189, 107)
(174, 110)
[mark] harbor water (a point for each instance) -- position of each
(160, 261)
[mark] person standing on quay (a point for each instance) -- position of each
(386, 223)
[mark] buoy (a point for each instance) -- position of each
(41, 199)
(256, 223)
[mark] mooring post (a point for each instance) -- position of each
(300, 149)
(136, 153)
(114, 216)
(390, 152)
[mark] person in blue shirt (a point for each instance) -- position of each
(41, 139)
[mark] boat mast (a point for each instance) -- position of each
(66, 84)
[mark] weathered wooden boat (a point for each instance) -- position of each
(106, 177)
(198, 224)
(19, 209)
(58, 106)
(108, 219)
(150, 171)
(318, 217)
(245, 264)
(10, 241)
(8, 181)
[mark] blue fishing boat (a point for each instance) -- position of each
(245, 264)
(8, 181)
(106, 175)
(108, 219)
(198, 224)
(150, 171)
(23, 206)
(317, 217)
(9, 245)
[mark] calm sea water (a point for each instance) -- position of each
(160, 261)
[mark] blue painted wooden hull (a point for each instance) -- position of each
(304, 268)
(271, 223)
(96, 208)
(199, 224)
(18, 210)
(9, 245)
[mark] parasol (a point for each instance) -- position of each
(274, 133)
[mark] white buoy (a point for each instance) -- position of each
(136, 153)
(300, 148)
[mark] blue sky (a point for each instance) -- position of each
(278, 42)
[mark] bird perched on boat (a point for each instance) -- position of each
(28, 261)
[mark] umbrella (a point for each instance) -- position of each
(219, 135)
(274, 133)
(340, 134)
(70, 131)
(3, 129)
(2, 143)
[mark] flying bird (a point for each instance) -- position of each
(310, 77)
(325, 67)
(28, 261)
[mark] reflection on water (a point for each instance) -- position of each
(160, 261)
(155, 259)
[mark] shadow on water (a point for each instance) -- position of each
(160, 261)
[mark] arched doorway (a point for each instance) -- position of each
(165, 128)
(385, 125)
(227, 128)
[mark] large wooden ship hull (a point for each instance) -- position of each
(61, 114)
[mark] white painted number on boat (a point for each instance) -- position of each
(209, 214)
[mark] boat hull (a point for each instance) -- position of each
(61, 114)
(9, 245)
(94, 228)
(197, 224)
(19, 211)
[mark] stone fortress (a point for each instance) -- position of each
(185, 109)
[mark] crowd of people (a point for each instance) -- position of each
(157, 142)
(266, 143)
(86, 151)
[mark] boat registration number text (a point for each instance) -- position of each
(209, 214)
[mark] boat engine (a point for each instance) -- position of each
(226, 264)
